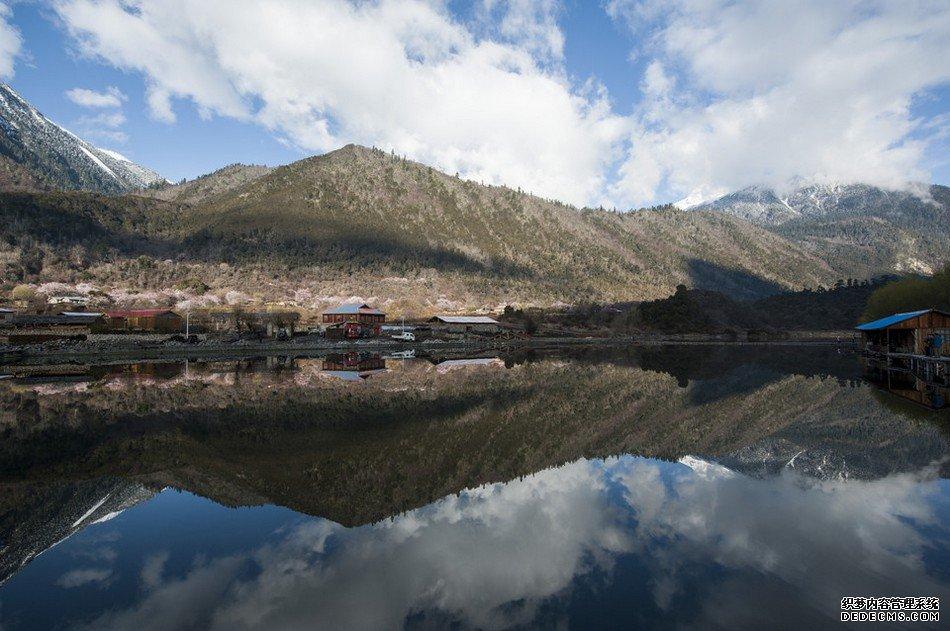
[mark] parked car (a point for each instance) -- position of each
(405, 336)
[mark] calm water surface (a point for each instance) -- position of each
(677, 487)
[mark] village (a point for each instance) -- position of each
(75, 318)
(912, 347)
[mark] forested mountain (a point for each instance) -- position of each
(358, 221)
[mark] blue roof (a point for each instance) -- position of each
(352, 308)
(883, 323)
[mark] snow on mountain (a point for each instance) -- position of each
(858, 229)
(692, 200)
(47, 516)
(706, 468)
(756, 204)
(59, 158)
(765, 206)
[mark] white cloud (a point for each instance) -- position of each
(735, 93)
(106, 119)
(398, 74)
(755, 91)
(10, 42)
(103, 127)
(106, 126)
(490, 557)
(469, 555)
(84, 576)
(111, 97)
(532, 24)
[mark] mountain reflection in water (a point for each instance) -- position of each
(466, 491)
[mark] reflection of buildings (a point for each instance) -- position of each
(453, 364)
(353, 366)
(144, 370)
(228, 443)
(909, 386)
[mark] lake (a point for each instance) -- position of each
(653, 486)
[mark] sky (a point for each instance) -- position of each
(619, 103)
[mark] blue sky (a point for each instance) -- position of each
(622, 102)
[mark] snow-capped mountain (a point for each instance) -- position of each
(57, 158)
(860, 230)
(767, 207)
(37, 520)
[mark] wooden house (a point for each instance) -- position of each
(146, 321)
(353, 320)
(924, 332)
(35, 329)
(6, 315)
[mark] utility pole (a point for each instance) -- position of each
(187, 323)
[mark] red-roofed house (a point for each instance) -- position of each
(353, 320)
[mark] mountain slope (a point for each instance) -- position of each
(857, 228)
(203, 188)
(360, 223)
(366, 211)
(58, 159)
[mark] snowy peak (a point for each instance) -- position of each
(58, 158)
(859, 229)
(756, 204)
(767, 207)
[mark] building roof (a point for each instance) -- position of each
(353, 308)
(24, 319)
(891, 320)
(464, 320)
(139, 313)
(5, 310)
(82, 314)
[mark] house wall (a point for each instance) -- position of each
(460, 328)
(169, 323)
(362, 318)
(911, 336)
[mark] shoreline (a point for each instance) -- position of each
(92, 351)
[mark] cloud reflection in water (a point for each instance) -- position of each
(506, 554)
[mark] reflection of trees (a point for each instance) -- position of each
(359, 454)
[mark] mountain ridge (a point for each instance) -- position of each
(766, 205)
(209, 185)
(360, 222)
(337, 199)
(903, 231)
(58, 159)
